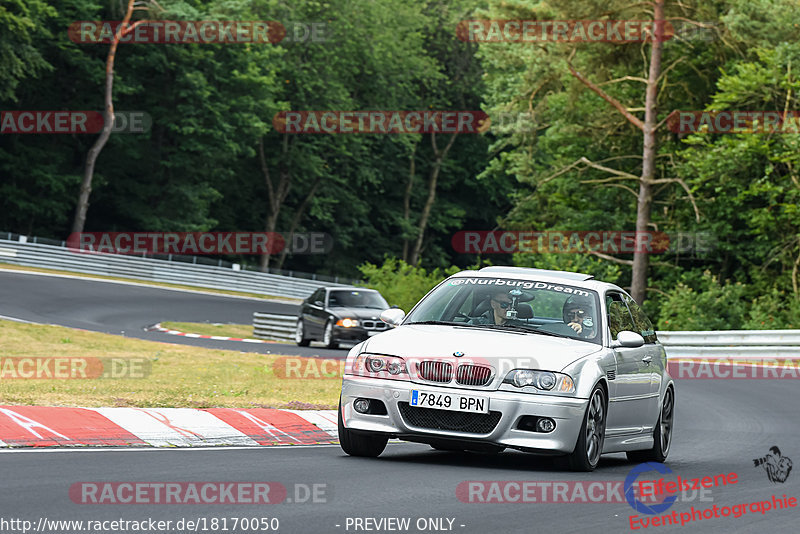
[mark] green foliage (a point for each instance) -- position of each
(402, 285)
(710, 306)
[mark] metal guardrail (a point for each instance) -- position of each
(273, 326)
(733, 344)
(156, 270)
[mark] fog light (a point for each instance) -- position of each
(361, 405)
(545, 425)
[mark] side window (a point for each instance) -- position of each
(619, 318)
(643, 324)
(319, 294)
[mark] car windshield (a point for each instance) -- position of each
(356, 299)
(529, 306)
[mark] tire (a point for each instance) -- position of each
(354, 444)
(300, 334)
(589, 447)
(662, 435)
(327, 336)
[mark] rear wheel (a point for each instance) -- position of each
(327, 336)
(355, 444)
(589, 447)
(662, 435)
(300, 334)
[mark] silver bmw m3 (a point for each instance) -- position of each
(546, 362)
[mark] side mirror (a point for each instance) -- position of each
(393, 316)
(318, 303)
(628, 339)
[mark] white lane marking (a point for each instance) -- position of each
(182, 427)
(7, 318)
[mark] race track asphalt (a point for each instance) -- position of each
(721, 426)
(128, 309)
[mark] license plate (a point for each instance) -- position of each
(371, 333)
(448, 401)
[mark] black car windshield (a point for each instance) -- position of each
(356, 299)
(530, 306)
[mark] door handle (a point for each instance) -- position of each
(647, 359)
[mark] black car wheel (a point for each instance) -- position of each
(662, 435)
(300, 334)
(355, 444)
(589, 447)
(327, 336)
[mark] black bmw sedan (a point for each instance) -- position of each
(336, 314)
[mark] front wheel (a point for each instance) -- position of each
(662, 435)
(327, 336)
(359, 444)
(300, 334)
(587, 451)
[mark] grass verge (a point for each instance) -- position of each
(179, 376)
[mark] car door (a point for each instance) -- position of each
(629, 392)
(315, 311)
(654, 352)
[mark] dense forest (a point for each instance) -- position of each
(581, 139)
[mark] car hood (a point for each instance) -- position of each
(358, 313)
(499, 349)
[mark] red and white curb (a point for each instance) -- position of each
(158, 328)
(43, 426)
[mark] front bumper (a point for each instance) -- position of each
(353, 333)
(567, 412)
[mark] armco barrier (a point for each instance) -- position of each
(273, 326)
(154, 270)
(734, 344)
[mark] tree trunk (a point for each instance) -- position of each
(407, 198)
(433, 177)
(79, 221)
(644, 202)
(275, 194)
(298, 215)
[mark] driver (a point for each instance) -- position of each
(577, 314)
(499, 301)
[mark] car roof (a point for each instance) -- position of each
(350, 288)
(563, 275)
(545, 275)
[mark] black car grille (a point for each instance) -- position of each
(374, 325)
(435, 419)
(434, 371)
(473, 375)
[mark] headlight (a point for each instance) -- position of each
(544, 380)
(347, 322)
(374, 364)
